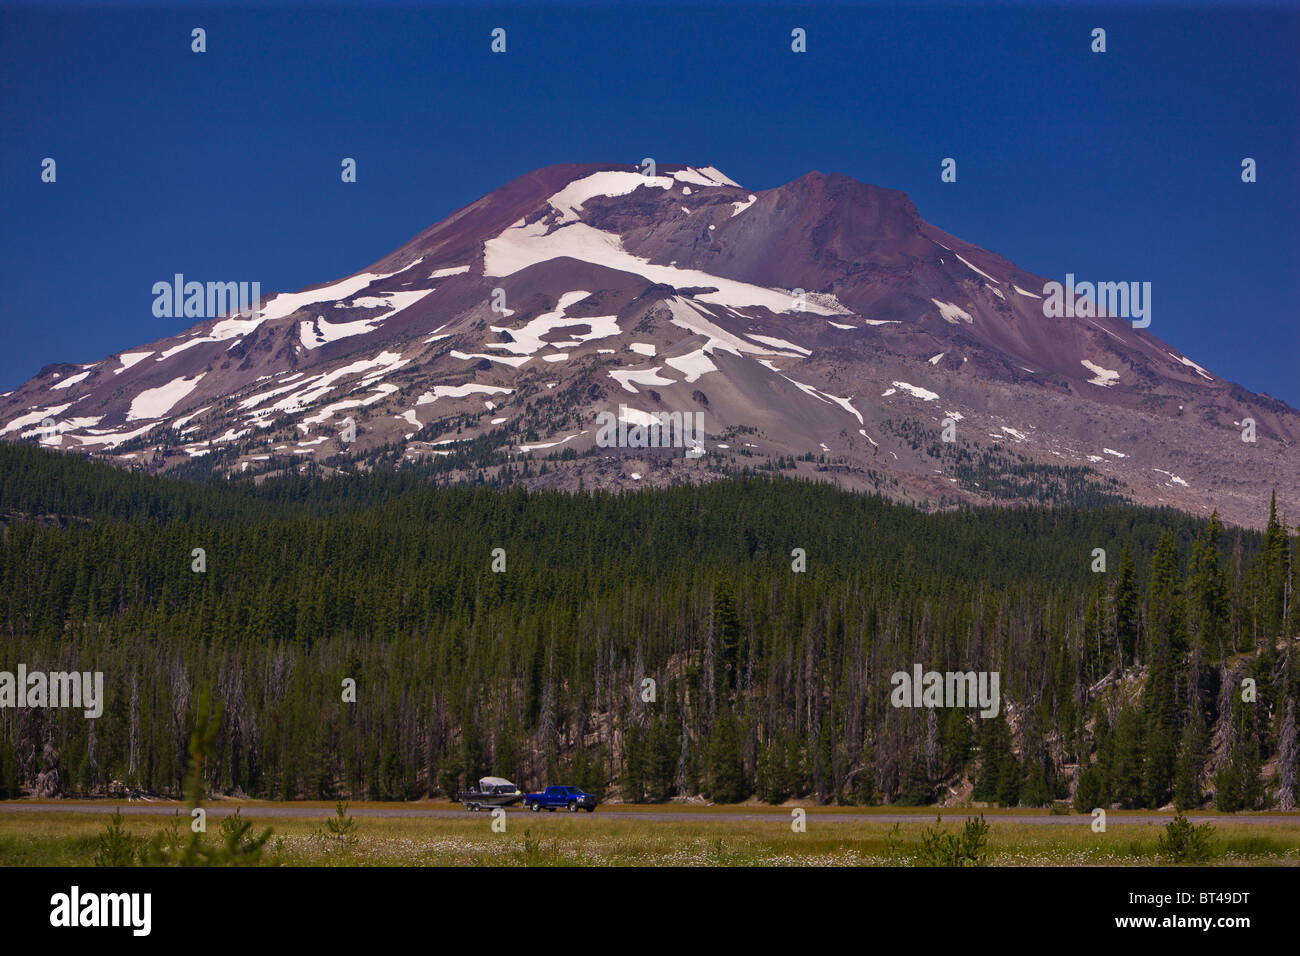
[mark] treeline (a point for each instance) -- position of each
(656, 644)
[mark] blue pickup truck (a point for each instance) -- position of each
(552, 798)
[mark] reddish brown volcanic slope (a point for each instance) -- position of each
(821, 328)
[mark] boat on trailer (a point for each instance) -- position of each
(491, 792)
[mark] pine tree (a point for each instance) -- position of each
(634, 771)
(1126, 770)
(1191, 762)
(724, 766)
(1126, 608)
(116, 846)
(1275, 579)
(1167, 642)
(726, 637)
(1210, 591)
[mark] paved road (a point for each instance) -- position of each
(701, 814)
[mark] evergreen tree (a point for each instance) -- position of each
(1126, 608)
(724, 766)
(1210, 591)
(1126, 768)
(1191, 762)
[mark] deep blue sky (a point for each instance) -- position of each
(225, 165)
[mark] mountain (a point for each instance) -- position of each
(821, 328)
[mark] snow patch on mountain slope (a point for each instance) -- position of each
(643, 348)
(130, 358)
(512, 361)
(283, 304)
(1101, 376)
(974, 268)
(952, 313)
(80, 422)
(111, 439)
(393, 301)
(739, 207)
(156, 402)
(687, 315)
(255, 400)
(187, 344)
(180, 423)
(522, 245)
(827, 302)
(549, 444)
(320, 331)
(329, 410)
(460, 391)
(70, 381)
(1107, 331)
(706, 176)
(924, 394)
(315, 387)
(720, 178)
(528, 339)
(692, 364)
(610, 182)
(54, 437)
(778, 343)
(1190, 364)
(448, 271)
(628, 378)
(380, 392)
(1031, 295)
(844, 403)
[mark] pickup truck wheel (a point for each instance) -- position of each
(534, 806)
(573, 806)
(590, 809)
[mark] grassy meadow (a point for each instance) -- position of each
(632, 836)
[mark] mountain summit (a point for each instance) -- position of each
(821, 328)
